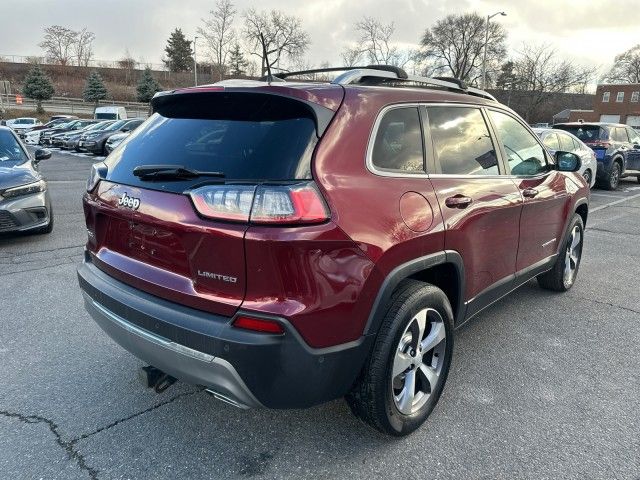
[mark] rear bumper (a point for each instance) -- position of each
(250, 369)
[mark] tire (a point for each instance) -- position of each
(612, 182)
(558, 279)
(587, 177)
(381, 399)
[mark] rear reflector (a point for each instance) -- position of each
(263, 204)
(258, 325)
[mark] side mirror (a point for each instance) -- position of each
(41, 154)
(567, 161)
(126, 129)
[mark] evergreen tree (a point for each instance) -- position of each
(38, 86)
(237, 62)
(507, 79)
(147, 86)
(179, 53)
(94, 89)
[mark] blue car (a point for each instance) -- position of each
(617, 149)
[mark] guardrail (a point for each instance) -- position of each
(72, 106)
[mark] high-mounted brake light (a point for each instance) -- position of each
(259, 325)
(262, 204)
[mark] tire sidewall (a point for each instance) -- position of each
(577, 220)
(614, 181)
(400, 423)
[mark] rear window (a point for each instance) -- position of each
(586, 133)
(248, 137)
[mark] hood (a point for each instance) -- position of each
(118, 137)
(14, 175)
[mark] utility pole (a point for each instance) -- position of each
(486, 41)
(195, 62)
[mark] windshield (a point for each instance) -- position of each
(251, 138)
(115, 126)
(586, 133)
(10, 150)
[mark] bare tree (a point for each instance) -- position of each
(539, 72)
(275, 32)
(375, 41)
(58, 44)
(456, 42)
(352, 56)
(83, 47)
(219, 34)
(626, 67)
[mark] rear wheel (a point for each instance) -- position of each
(406, 372)
(614, 177)
(565, 270)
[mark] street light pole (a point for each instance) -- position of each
(195, 62)
(486, 41)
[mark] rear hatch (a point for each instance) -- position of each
(593, 136)
(171, 208)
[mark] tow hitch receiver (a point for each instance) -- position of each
(152, 377)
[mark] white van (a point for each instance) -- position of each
(110, 113)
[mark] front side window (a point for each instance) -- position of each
(398, 143)
(634, 136)
(525, 155)
(605, 96)
(620, 97)
(462, 141)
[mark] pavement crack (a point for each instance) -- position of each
(609, 304)
(135, 415)
(67, 446)
(597, 229)
(15, 272)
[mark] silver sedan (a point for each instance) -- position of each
(557, 140)
(25, 204)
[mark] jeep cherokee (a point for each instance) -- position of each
(287, 243)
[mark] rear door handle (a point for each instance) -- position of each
(458, 201)
(530, 192)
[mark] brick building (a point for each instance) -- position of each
(614, 104)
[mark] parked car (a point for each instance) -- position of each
(616, 146)
(114, 140)
(57, 139)
(288, 243)
(51, 123)
(24, 123)
(94, 142)
(25, 204)
(110, 113)
(71, 139)
(45, 135)
(556, 140)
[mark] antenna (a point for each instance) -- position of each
(266, 58)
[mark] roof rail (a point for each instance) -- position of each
(385, 73)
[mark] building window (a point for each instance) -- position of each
(634, 97)
(605, 97)
(620, 97)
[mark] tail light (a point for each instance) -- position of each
(261, 204)
(258, 325)
(606, 145)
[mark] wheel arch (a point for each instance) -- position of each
(582, 209)
(444, 270)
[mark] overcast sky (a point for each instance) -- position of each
(587, 31)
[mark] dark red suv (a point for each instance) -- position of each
(284, 244)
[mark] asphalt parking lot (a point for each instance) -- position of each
(542, 385)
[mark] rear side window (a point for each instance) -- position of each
(566, 143)
(551, 141)
(398, 143)
(462, 141)
(619, 134)
(524, 154)
(247, 137)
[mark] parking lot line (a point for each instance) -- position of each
(617, 202)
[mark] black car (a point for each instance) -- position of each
(25, 204)
(94, 142)
(617, 149)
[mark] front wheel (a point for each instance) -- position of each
(565, 270)
(407, 369)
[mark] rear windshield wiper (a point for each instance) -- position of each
(171, 172)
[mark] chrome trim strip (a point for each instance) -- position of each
(151, 337)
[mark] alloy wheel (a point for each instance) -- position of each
(572, 256)
(418, 361)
